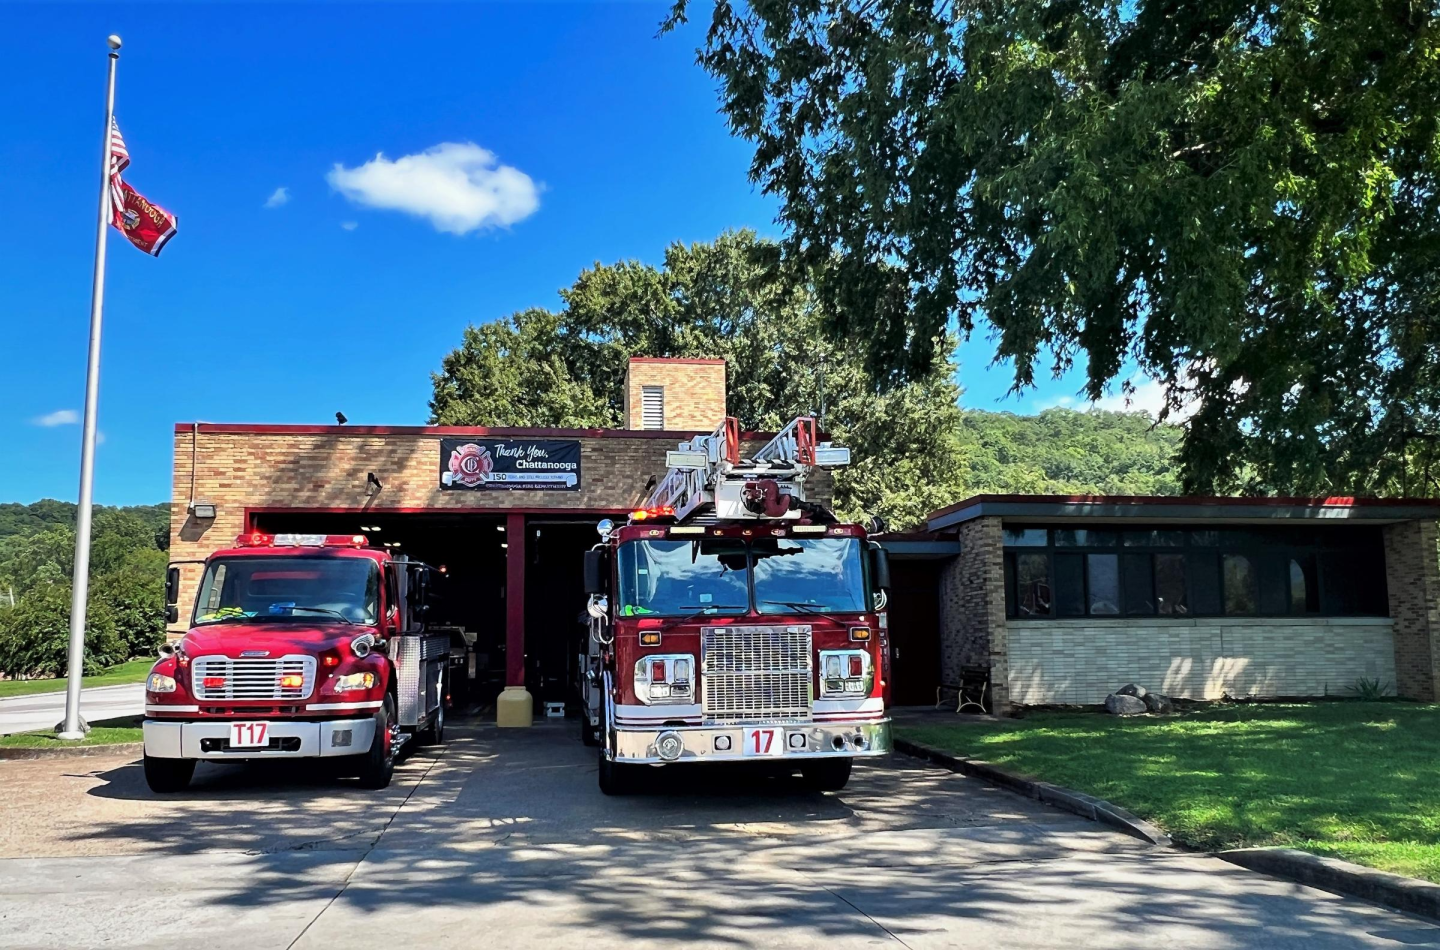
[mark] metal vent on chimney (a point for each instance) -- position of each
(652, 407)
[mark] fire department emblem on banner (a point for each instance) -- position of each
(470, 465)
(510, 465)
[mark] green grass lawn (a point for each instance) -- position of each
(1360, 781)
(133, 672)
(104, 732)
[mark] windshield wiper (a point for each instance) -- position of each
(318, 610)
(807, 608)
(701, 612)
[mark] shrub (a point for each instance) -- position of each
(35, 634)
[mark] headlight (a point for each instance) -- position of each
(160, 683)
(665, 678)
(845, 674)
(354, 681)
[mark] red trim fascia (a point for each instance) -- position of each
(1219, 501)
(229, 428)
(677, 359)
(251, 512)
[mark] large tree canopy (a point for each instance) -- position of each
(1240, 197)
(725, 299)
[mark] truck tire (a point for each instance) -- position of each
(168, 775)
(434, 732)
(377, 765)
(827, 775)
(587, 732)
(616, 778)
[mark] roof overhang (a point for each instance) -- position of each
(1131, 508)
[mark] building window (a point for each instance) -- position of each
(1236, 572)
(1032, 585)
(1240, 585)
(652, 407)
(1102, 574)
(1171, 592)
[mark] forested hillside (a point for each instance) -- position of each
(1061, 451)
(16, 518)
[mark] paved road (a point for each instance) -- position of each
(44, 710)
(503, 840)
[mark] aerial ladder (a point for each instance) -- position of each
(709, 481)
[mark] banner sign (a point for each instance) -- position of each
(510, 464)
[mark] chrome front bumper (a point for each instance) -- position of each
(167, 739)
(821, 741)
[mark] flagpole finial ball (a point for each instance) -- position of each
(113, 40)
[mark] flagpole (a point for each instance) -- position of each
(74, 727)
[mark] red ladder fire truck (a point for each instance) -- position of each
(733, 619)
(300, 646)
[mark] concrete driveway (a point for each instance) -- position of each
(503, 840)
(44, 710)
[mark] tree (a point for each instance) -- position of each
(726, 299)
(133, 595)
(1241, 197)
(35, 635)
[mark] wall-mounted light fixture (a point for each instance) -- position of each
(202, 510)
(372, 481)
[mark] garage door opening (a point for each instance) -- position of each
(555, 618)
(468, 595)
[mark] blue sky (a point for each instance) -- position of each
(345, 289)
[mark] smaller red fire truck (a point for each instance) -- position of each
(299, 646)
(734, 620)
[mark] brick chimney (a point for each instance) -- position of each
(681, 395)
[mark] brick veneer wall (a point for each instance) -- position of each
(239, 470)
(1081, 661)
(1412, 575)
(972, 609)
(694, 391)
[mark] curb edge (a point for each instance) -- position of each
(1066, 799)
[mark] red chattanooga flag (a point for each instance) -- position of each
(147, 225)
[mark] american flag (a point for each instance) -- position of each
(119, 160)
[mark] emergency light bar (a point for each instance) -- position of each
(257, 539)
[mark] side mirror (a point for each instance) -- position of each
(879, 567)
(172, 587)
(172, 613)
(595, 571)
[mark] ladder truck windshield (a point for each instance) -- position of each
(735, 617)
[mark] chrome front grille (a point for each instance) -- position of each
(252, 678)
(755, 673)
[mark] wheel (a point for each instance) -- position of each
(168, 775)
(615, 778)
(377, 765)
(827, 775)
(587, 731)
(433, 734)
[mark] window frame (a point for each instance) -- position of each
(1282, 543)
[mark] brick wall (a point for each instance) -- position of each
(1412, 575)
(239, 470)
(1081, 661)
(694, 391)
(972, 609)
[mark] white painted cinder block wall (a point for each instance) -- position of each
(1081, 661)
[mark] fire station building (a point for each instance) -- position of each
(1040, 600)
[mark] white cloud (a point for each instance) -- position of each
(1148, 397)
(278, 197)
(349, 225)
(60, 417)
(457, 186)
